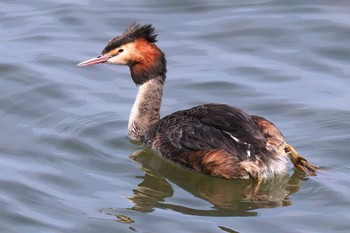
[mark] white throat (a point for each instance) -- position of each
(145, 111)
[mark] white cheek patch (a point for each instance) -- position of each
(118, 59)
(113, 60)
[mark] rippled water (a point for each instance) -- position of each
(68, 166)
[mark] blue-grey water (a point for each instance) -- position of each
(66, 163)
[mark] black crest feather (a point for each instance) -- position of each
(134, 32)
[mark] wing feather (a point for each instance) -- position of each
(206, 127)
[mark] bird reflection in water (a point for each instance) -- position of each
(226, 197)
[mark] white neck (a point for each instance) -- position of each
(145, 111)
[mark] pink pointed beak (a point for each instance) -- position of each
(95, 60)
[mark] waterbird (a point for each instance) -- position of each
(214, 139)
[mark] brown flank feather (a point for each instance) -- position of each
(215, 162)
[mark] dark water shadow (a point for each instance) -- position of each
(224, 197)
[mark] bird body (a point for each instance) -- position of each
(218, 140)
(214, 139)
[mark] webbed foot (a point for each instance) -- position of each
(299, 162)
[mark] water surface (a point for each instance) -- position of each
(68, 166)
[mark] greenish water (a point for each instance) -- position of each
(68, 166)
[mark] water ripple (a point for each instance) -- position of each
(68, 166)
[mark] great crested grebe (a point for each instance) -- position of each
(215, 139)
